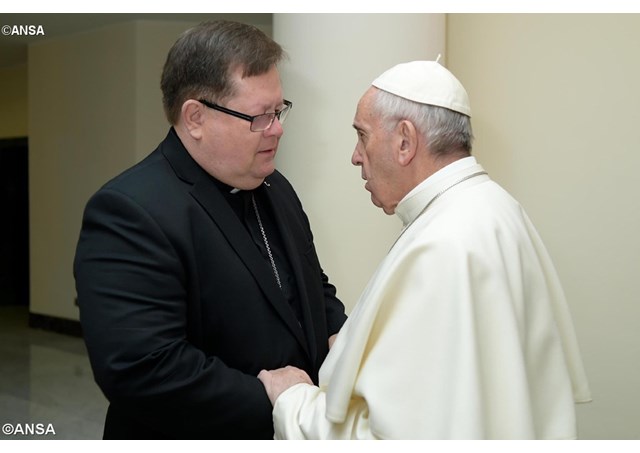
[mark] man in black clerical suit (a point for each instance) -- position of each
(196, 268)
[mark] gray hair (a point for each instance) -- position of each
(446, 132)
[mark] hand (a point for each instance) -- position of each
(277, 381)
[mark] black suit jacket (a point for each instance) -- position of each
(179, 310)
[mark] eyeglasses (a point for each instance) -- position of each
(259, 123)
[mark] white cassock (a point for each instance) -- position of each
(463, 332)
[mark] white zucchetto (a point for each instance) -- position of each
(426, 82)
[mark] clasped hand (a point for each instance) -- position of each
(277, 381)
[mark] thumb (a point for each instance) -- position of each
(264, 376)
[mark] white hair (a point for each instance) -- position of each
(444, 130)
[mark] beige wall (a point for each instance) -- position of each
(81, 118)
(351, 235)
(13, 101)
(555, 101)
(95, 109)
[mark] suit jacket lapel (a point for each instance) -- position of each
(293, 254)
(207, 194)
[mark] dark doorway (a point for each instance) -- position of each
(14, 221)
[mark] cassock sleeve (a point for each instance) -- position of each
(299, 413)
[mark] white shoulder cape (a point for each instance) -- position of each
(463, 332)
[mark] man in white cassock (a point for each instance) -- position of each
(463, 332)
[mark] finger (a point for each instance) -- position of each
(265, 376)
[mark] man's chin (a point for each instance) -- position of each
(258, 179)
(376, 202)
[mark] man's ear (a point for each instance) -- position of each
(192, 115)
(407, 136)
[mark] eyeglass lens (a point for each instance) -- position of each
(263, 122)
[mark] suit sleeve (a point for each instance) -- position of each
(131, 292)
(334, 309)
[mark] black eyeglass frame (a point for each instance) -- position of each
(250, 118)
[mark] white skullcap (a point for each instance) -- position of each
(426, 82)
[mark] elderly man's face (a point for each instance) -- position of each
(374, 153)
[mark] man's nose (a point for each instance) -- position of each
(356, 159)
(275, 128)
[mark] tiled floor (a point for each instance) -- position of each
(46, 384)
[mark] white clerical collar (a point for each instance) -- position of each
(414, 202)
(235, 190)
